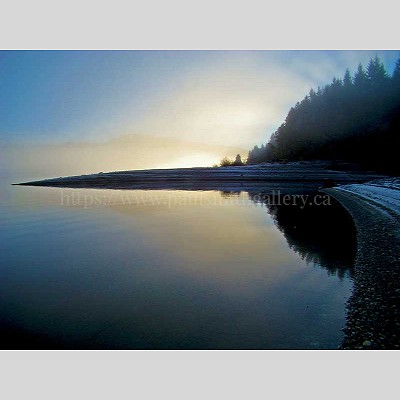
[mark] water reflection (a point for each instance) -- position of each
(169, 270)
(316, 226)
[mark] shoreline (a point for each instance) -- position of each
(373, 312)
(250, 177)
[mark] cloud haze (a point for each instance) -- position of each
(234, 98)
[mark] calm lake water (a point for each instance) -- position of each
(104, 269)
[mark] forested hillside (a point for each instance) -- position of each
(355, 119)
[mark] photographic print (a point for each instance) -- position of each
(199, 200)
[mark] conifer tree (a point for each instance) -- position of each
(347, 81)
(396, 72)
(376, 72)
(360, 77)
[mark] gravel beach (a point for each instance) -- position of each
(373, 310)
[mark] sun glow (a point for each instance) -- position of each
(193, 160)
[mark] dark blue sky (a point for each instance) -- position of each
(217, 96)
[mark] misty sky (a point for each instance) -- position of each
(231, 97)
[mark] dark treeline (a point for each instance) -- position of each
(355, 119)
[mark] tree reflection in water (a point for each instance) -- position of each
(322, 234)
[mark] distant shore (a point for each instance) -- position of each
(249, 177)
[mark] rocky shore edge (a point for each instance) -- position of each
(373, 310)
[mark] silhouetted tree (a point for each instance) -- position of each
(225, 162)
(360, 78)
(396, 72)
(238, 160)
(347, 81)
(376, 72)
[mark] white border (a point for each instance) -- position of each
(217, 24)
(198, 25)
(198, 375)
